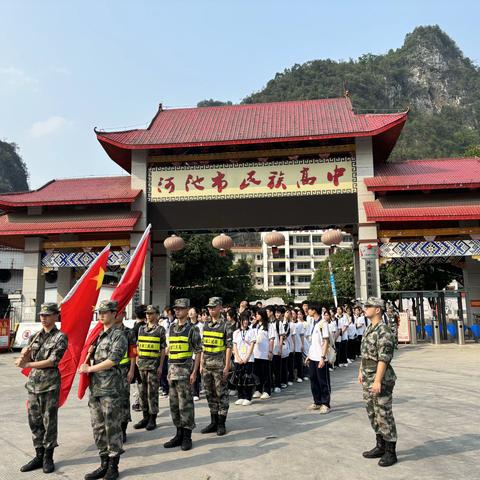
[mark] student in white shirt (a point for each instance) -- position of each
(243, 344)
(352, 340)
(281, 316)
(342, 335)
(195, 320)
(263, 353)
(360, 325)
(317, 360)
(277, 348)
(303, 346)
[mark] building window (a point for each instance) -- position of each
(316, 239)
(317, 264)
(347, 238)
(259, 281)
(303, 292)
(319, 252)
(258, 257)
(303, 279)
(302, 252)
(259, 269)
(303, 266)
(302, 239)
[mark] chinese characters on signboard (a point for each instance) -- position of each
(250, 180)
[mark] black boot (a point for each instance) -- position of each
(221, 425)
(112, 472)
(48, 465)
(35, 462)
(389, 457)
(124, 431)
(187, 439)
(176, 441)
(378, 450)
(142, 423)
(152, 422)
(100, 471)
(213, 424)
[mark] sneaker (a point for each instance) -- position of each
(306, 379)
(283, 385)
(289, 383)
(232, 393)
(257, 394)
(313, 406)
(277, 390)
(299, 380)
(330, 369)
(324, 409)
(196, 399)
(349, 361)
(264, 396)
(239, 401)
(246, 403)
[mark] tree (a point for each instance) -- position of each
(13, 171)
(473, 151)
(212, 103)
(275, 292)
(342, 267)
(199, 272)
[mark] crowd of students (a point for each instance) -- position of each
(275, 346)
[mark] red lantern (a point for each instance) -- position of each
(223, 243)
(332, 237)
(274, 239)
(173, 243)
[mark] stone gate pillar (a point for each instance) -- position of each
(33, 289)
(471, 278)
(368, 268)
(160, 273)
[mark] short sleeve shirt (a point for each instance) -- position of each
(320, 333)
(243, 340)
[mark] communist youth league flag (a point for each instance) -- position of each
(122, 294)
(76, 315)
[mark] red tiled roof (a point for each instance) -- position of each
(247, 124)
(423, 208)
(430, 174)
(81, 222)
(74, 191)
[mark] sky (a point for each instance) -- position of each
(67, 67)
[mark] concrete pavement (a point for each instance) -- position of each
(436, 405)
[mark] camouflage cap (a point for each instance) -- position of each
(107, 306)
(182, 303)
(151, 309)
(374, 302)
(214, 301)
(49, 309)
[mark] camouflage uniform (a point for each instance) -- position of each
(392, 318)
(105, 392)
(43, 386)
(180, 395)
(378, 345)
(148, 363)
(124, 368)
(217, 337)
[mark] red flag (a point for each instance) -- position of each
(122, 294)
(77, 311)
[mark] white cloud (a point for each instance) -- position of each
(61, 71)
(14, 77)
(47, 127)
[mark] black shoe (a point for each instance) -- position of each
(221, 430)
(152, 422)
(100, 471)
(389, 458)
(112, 472)
(378, 450)
(142, 423)
(35, 462)
(213, 424)
(176, 441)
(187, 439)
(124, 431)
(48, 465)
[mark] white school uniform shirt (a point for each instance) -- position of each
(342, 322)
(243, 340)
(291, 338)
(306, 338)
(299, 332)
(262, 342)
(286, 342)
(360, 324)
(351, 331)
(319, 334)
(276, 334)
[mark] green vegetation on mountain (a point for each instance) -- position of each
(13, 171)
(429, 74)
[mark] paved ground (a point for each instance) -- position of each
(436, 406)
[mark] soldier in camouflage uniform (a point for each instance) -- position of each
(43, 354)
(377, 377)
(105, 400)
(151, 345)
(392, 322)
(127, 367)
(184, 340)
(215, 365)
